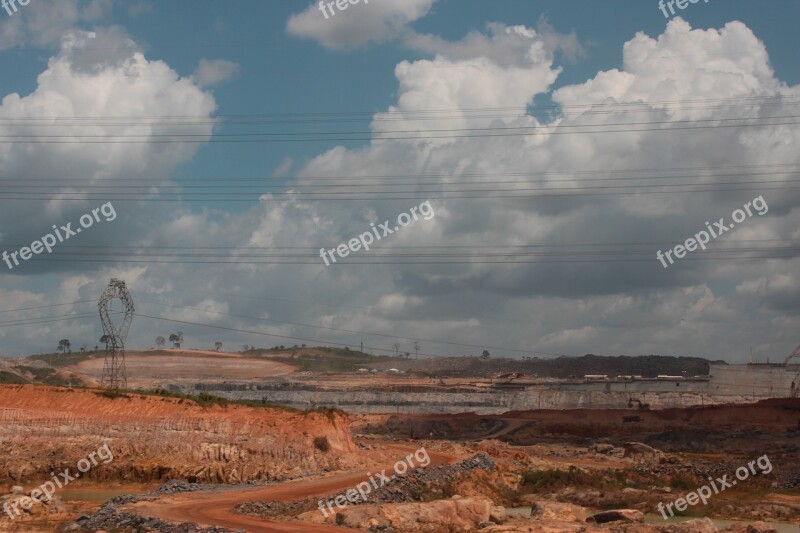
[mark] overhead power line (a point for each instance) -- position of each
(94, 186)
(58, 318)
(342, 330)
(410, 255)
(740, 249)
(261, 333)
(151, 135)
(58, 194)
(384, 195)
(46, 306)
(240, 138)
(396, 135)
(46, 320)
(401, 187)
(410, 263)
(791, 167)
(475, 247)
(694, 103)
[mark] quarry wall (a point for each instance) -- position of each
(725, 384)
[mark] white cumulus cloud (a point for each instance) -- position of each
(212, 72)
(375, 22)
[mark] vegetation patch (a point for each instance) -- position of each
(206, 399)
(12, 379)
(66, 359)
(329, 412)
(320, 359)
(549, 480)
(112, 394)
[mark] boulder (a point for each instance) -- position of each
(754, 527)
(22, 505)
(624, 515)
(462, 513)
(497, 514)
(638, 449)
(545, 527)
(698, 525)
(601, 448)
(546, 510)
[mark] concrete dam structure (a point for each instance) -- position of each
(755, 380)
(724, 384)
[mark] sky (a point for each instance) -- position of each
(549, 157)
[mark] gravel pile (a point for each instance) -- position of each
(789, 480)
(425, 484)
(175, 486)
(276, 509)
(422, 484)
(109, 519)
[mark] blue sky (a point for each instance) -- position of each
(282, 57)
(284, 74)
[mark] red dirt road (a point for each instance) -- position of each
(215, 507)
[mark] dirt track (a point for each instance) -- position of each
(215, 508)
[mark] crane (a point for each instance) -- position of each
(795, 353)
(642, 406)
(795, 388)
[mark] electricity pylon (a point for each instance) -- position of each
(114, 374)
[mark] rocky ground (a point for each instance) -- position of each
(566, 466)
(422, 484)
(597, 488)
(111, 518)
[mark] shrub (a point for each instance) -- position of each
(205, 399)
(112, 394)
(322, 444)
(682, 483)
(574, 477)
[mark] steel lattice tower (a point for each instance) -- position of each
(114, 375)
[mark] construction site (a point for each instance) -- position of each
(399, 266)
(392, 392)
(222, 441)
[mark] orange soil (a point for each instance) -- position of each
(154, 438)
